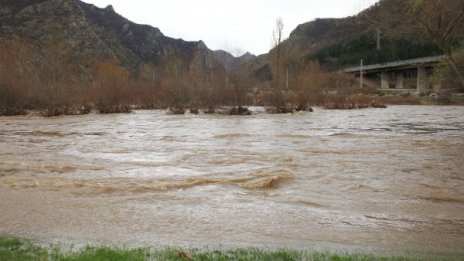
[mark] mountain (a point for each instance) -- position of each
(341, 42)
(87, 35)
(231, 62)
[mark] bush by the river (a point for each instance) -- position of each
(336, 102)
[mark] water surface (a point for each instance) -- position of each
(387, 179)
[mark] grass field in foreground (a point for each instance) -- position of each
(12, 249)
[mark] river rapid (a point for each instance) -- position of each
(372, 179)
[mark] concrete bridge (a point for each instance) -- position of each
(415, 75)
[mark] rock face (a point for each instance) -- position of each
(227, 60)
(90, 34)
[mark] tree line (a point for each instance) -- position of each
(51, 81)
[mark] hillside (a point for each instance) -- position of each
(88, 35)
(231, 62)
(337, 43)
(69, 57)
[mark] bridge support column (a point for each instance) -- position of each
(437, 85)
(384, 81)
(399, 80)
(421, 80)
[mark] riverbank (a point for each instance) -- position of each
(433, 99)
(13, 249)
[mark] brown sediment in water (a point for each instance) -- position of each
(231, 135)
(391, 179)
(126, 185)
(36, 166)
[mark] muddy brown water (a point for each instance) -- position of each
(380, 179)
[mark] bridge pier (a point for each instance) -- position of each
(384, 80)
(421, 80)
(436, 85)
(399, 80)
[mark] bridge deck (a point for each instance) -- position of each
(404, 64)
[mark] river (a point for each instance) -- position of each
(372, 179)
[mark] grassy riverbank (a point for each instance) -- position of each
(13, 249)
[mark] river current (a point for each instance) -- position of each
(378, 179)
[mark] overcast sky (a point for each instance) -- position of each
(230, 25)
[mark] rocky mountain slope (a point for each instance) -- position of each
(231, 62)
(87, 35)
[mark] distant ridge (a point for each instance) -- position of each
(89, 35)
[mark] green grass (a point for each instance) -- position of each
(12, 249)
(15, 249)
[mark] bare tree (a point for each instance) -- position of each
(55, 72)
(16, 77)
(277, 38)
(276, 64)
(439, 20)
(238, 79)
(113, 81)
